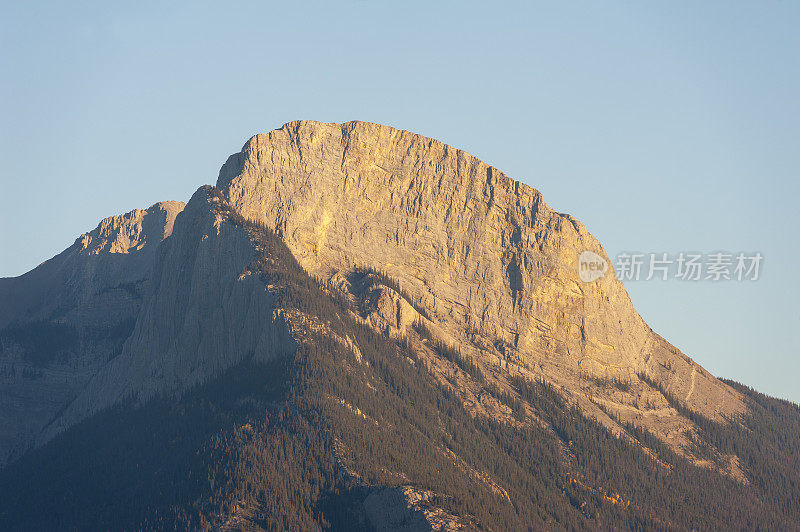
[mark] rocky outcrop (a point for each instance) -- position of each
(407, 509)
(493, 264)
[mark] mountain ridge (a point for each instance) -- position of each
(63, 320)
(480, 253)
(390, 252)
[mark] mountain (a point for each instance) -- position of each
(482, 254)
(62, 321)
(363, 328)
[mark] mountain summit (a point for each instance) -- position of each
(361, 327)
(486, 259)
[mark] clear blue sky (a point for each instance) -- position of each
(663, 126)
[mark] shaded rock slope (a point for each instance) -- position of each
(61, 322)
(204, 311)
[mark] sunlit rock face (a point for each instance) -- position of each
(493, 264)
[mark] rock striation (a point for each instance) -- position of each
(494, 265)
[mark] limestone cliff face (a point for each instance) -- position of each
(61, 322)
(204, 311)
(484, 254)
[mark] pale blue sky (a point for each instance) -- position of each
(663, 126)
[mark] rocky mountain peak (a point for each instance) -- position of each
(131, 231)
(120, 250)
(492, 264)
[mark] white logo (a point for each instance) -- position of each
(591, 266)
